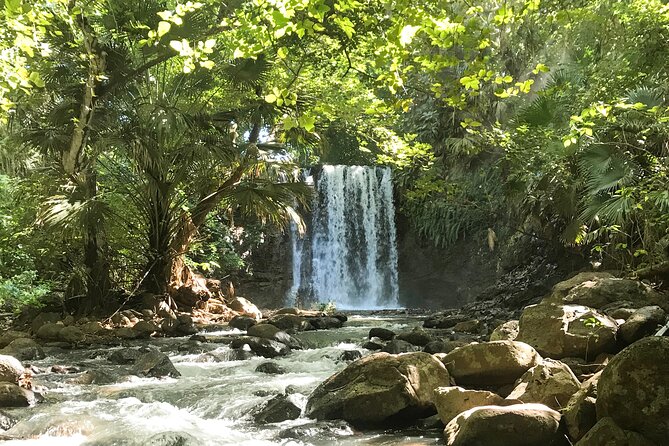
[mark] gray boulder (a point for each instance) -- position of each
(12, 395)
(551, 383)
(24, 349)
(643, 322)
(11, 369)
(278, 409)
(508, 331)
(607, 433)
(452, 401)
(580, 415)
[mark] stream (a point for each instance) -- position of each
(210, 404)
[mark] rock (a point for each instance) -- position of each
(634, 389)
(92, 328)
(508, 331)
(289, 310)
(242, 322)
(278, 409)
(443, 346)
(11, 335)
(185, 325)
(561, 289)
(603, 291)
(268, 331)
(148, 314)
(550, 383)
(378, 387)
(443, 321)
(126, 333)
(451, 401)
(290, 322)
(97, 377)
(417, 336)
(643, 322)
(169, 326)
(12, 395)
(517, 425)
(163, 310)
(558, 331)
(319, 431)
(24, 349)
(621, 313)
(6, 421)
(11, 369)
(372, 345)
(381, 333)
(49, 331)
(42, 319)
(120, 320)
(145, 328)
(71, 334)
(580, 415)
(262, 347)
(471, 326)
(271, 368)
(172, 439)
(398, 346)
(68, 320)
(245, 308)
(490, 363)
(325, 322)
(607, 433)
(125, 356)
(350, 355)
(155, 364)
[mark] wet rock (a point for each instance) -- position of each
(50, 331)
(24, 349)
(607, 433)
(325, 322)
(398, 346)
(126, 333)
(442, 346)
(11, 335)
(236, 354)
(350, 355)
(290, 322)
(551, 383)
(490, 363)
(92, 328)
(6, 421)
(633, 389)
(245, 307)
(155, 364)
(451, 401)
(169, 326)
(321, 431)
(97, 377)
(508, 331)
(471, 326)
(71, 334)
(643, 322)
(42, 319)
(172, 439)
(125, 356)
(580, 415)
(12, 395)
(11, 369)
(262, 347)
(516, 425)
(278, 409)
(417, 336)
(559, 331)
(380, 388)
(242, 322)
(62, 370)
(268, 331)
(381, 333)
(271, 368)
(145, 328)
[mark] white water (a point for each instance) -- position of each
(352, 258)
(209, 404)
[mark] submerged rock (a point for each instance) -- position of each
(278, 409)
(155, 364)
(350, 355)
(320, 431)
(270, 368)
(634, 389)
(490, 363)
(380, 388)
(517, 425)
(262, 347)
(172, 439)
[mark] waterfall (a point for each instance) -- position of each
(350, 257)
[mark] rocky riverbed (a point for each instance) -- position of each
(581, 367)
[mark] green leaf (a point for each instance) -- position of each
(163, 28)
(176, 45)
(407, 34)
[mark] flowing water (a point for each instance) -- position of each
(350, 257)
(208, 405)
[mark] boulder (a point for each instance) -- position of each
(350, 355)
(398, 346)
(278, 409)
(516, 425)
(380, 388)
(270, 368)
(318, 432)
(381, 333)
(417, 336)
(43, 318)
(559, 331)
(373, 344)
(288, 310)
(443, 346)
(245, 307)
(551, 383)
(561, 289)
(490, 363)
(92, 328)
(11, 335)
(266, 348)
(290, 322)
(7, 421)
(268, 331)
(508, 331)
(634, 389)
(11, 369)
(580, 415)
(71, 334)
(451, 401)
(155, 364)
(643, 322)
(49, 331)
(444, 320)
(471, 326)
(127, 333)
(24, 349)
(607, 433)
(145, 328)
(12, 395)
(242, 322)
(325, 323)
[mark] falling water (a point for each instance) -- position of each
(351, 259)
